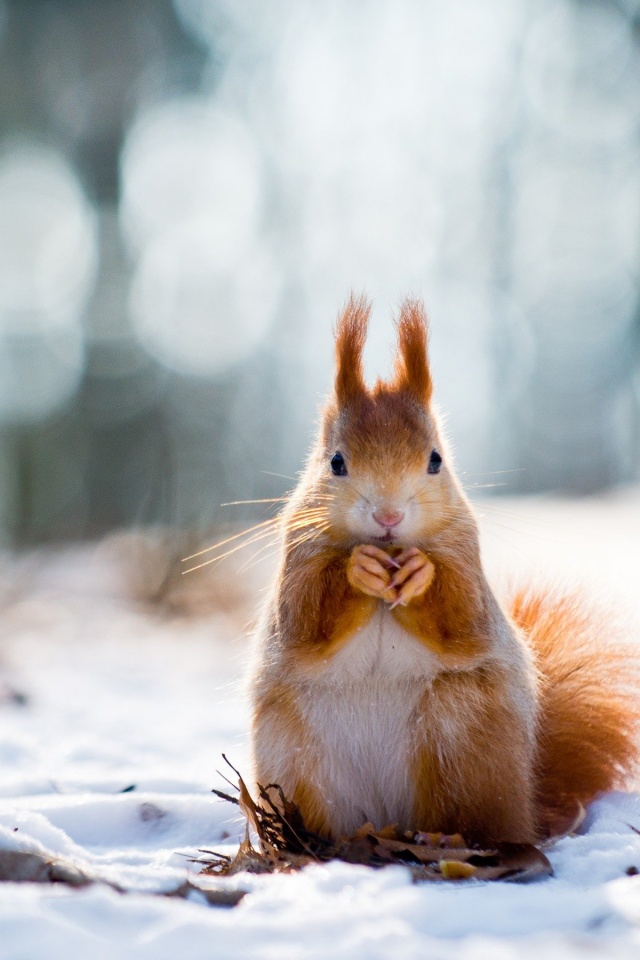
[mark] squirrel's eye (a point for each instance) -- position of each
(338, 465)
(435, 462)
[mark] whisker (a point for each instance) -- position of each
(308, 518)
(541, 536)
(237, 503)
(448, 513)
(366, 499)
(491, 508)
(254, 558)
(255, 538)
(311, 533)
(236, 536)
(305, 511)
(229, 553)
(484, 486)
(283, 476)
(304, 520)
(491, 473)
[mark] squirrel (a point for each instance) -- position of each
(389, 683)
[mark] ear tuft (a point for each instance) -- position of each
(351, 333)
(412, 364)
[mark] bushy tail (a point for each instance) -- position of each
(589, 733)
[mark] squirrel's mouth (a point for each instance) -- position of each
(388, 538)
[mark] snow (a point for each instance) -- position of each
(134, 690)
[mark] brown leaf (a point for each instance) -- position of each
(455, 870)
(390, 832)
(358, 849)
(522, 862)
(246, 860)
(287, 844)
(440, 839)
(562, 823)
(421, 853)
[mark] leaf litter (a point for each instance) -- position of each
(285, 844)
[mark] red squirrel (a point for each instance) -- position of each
(390, 685)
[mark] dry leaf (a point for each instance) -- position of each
(561, 824)
(455, 870)
(285, 844)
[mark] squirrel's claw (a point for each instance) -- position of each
(414, 578)
(366, 572)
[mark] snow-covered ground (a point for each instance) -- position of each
(133, 687)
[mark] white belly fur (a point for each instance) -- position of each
(361, 713)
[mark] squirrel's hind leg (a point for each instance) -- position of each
(283, 755)
(474, 761)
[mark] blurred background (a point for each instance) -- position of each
(190, 189)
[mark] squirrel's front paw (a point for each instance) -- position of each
(369, 570)
(414, 577)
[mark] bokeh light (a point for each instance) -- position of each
(48, 259)
(204, 290)
(182, 217)
(190, 314)
(188, 158)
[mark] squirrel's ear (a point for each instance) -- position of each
(412, 363)
(351, 333)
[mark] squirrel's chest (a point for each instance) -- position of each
(362, 717)
(380, 651)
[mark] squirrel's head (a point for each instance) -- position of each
(385, 475)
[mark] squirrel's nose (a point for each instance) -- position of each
(388, 518)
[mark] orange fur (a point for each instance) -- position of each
(318, 604)
(466, 790)
(589, 701)
(276, 714)
(409, 694)
(351, 332)
(454, 621)
(412, 368)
